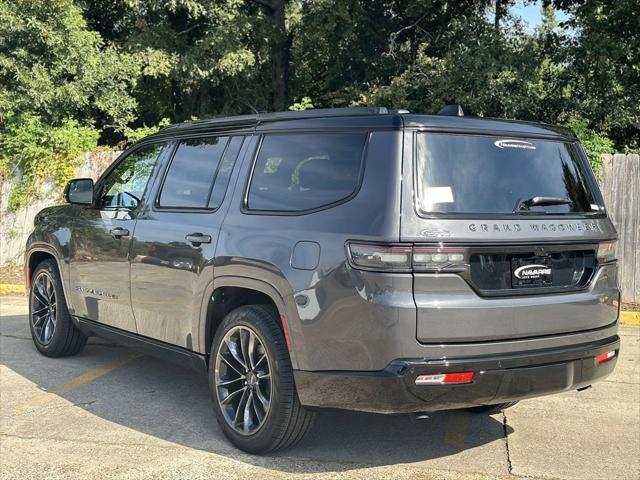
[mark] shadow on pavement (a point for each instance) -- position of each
(171, 403)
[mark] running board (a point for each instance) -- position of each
(148, 346)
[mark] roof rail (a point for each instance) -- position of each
(454, 110)
(256, 118)
(323, 112)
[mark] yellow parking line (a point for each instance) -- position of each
(91, 375)
(456, 429)
(12, 288)
(630, 318)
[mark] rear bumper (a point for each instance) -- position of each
(497, 379)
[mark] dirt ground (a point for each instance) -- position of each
(12, 275)
(631, 307)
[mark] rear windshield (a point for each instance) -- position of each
(498, 175)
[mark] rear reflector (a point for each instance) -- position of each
(605, 357)
(444, 378)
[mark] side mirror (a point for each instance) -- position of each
(79, 191)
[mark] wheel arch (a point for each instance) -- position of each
(229, 292)
(37, 255)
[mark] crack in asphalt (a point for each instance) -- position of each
(620, 383)
(83, 404)
(91, 441)
(505, 427)
(14, 336)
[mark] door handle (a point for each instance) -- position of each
(197, 238)
(119, 232)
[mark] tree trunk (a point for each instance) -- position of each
(280, 53)
(280, 59)
(501, 10)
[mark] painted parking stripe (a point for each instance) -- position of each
(75, 382)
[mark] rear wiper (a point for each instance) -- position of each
(525, 205)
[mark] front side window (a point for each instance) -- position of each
(124, 186)
(482, 174)
(299, 172)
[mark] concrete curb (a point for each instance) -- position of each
(626, 318)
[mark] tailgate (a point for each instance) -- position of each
(449, 310)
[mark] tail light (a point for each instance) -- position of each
(405, 258)
(380, 257)
(606, 252)
(439, 258)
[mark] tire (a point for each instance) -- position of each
(284, 420)
(491, 409)
(52, 329)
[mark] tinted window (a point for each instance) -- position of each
(124, 185)
(303, 172)
(191, 173)
(485, 174)
(224, 171)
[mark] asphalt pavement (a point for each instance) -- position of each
(112, 412)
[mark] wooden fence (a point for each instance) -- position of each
(620, 185)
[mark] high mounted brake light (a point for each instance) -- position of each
(405, 258)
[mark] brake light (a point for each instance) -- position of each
(606, 252)
(445, 378)
(605, 357)
(406, 257)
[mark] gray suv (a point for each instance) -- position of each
(359, 258)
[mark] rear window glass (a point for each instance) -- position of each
(306, 171)
(496, 175)
(190, 176)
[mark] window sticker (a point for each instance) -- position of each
(521, 144)
(439, 195)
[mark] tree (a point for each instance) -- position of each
(603, 61)
(281, 40)
(196, 56)
(53, 66)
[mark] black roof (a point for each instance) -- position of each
(367, 116)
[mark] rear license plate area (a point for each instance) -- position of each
(531, 272)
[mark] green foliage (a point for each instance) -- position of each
(134, 134)
(595, 144)
(72, 68)
(601, 47)
(305, 103)
(33, 151)
(53, 66)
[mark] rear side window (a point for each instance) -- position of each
(295, 173)
(487, 174)
(190, 176)
(224, 171)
